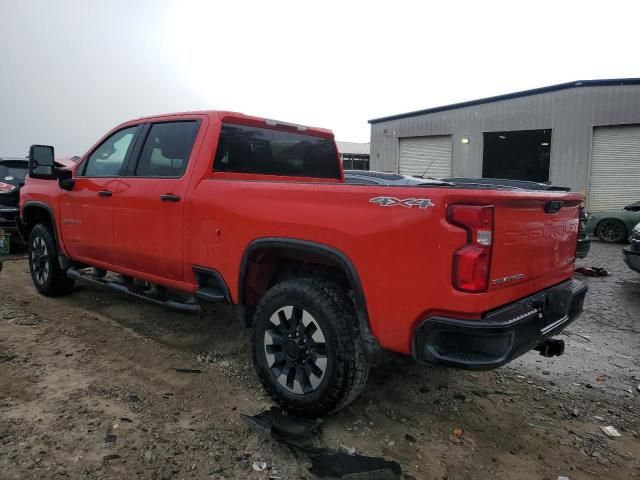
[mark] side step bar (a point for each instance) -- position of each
(211, 294)
(121, 288)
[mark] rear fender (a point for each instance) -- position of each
(335, 258)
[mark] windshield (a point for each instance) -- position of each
(633, 207)
(13, 171)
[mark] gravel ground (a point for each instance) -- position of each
(89, 389)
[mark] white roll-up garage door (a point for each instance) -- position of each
(615, 168)
(428, 156)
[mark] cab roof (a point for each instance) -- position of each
(236, 117)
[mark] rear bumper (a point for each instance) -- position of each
(501, 335)
(632, 258)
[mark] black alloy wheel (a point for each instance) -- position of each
(611, 231)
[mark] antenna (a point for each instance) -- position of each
(430, 165)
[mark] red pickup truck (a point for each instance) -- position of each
(197, 208)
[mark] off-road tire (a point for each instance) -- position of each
(347, 367)
(51, 281)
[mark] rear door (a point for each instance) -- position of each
(149, 204)
(87, 210)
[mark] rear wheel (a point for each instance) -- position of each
(47, 276)
(611, 230)
(306, 347)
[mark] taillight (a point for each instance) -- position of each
(584, 218)
(6, 187)
(471, 262)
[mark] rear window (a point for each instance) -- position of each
(13, 170)
(246, 149)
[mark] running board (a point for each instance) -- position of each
(211, 294)
(120, 288)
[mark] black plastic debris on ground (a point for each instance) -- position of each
(343, 465)
(281, 427)
(188, 370)
(299, 433)
(592, 271)
(6, 358)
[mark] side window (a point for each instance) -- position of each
(167, 149)
(107, 159)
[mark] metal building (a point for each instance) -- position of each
(584, 134)
(354, 156)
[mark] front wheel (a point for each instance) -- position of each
(48, 278)
(306, 347)
(611, 230)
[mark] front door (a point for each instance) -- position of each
(149, 204)
(86, 211)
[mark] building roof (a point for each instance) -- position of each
(525, 93)
(354, 148)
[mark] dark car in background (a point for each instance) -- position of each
(506, 183)
(614, 226)
(584, 242)
(12, 174)
(366, 177)
(631, 252)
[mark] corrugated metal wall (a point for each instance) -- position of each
(615, 167)
(571, 114)
(426, 156)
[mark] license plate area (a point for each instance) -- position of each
(553, 306)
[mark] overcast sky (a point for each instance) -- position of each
(72, 69)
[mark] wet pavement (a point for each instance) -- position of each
(98, 386)
(604, 343)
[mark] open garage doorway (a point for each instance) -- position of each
(517, 155)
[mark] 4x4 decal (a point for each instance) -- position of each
(407, 202)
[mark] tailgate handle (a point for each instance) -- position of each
(553, 206)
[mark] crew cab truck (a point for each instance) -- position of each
(196, 208)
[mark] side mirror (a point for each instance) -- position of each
(41, 163)
(65, 179)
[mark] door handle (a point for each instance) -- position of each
(105, 193)
(170, 197)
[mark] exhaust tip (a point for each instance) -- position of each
(551, 348)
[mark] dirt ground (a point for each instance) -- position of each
(89, 389)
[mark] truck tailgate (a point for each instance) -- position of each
(533, 241)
